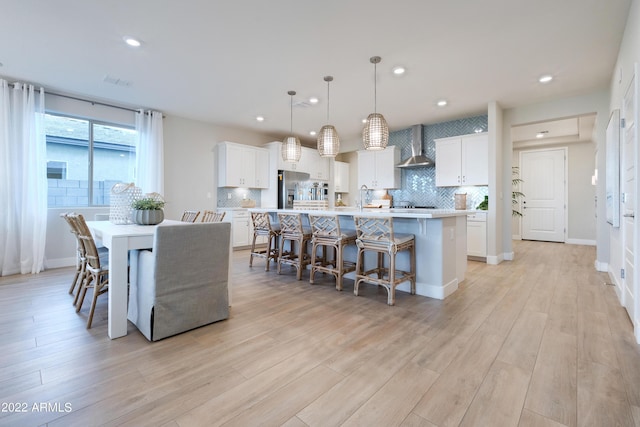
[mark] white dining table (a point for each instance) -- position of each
(120, 239)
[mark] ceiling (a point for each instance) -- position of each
(226, 62)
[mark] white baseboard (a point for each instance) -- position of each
(516, 237)
(585, 242)
(601, 266)
(496, 259)
(60, 262)
(509, 256)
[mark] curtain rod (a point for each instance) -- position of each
(83, 100)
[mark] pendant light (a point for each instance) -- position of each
(291, 148)
(375, 134)
(328, 139)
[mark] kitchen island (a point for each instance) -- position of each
(440, 243)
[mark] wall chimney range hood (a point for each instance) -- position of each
(417, 160)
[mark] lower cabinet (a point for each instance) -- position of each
(477, 235)
(242, 228)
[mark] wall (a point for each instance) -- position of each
(628, 58)
(595, 102)
(190, 169)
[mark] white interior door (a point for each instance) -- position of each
(544, 188)
(629, 162)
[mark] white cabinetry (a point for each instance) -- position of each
(477, 235)
(377, 169)
(462, 160)
(242, 166)
(310, 162)
(341, 177)
(241, 227)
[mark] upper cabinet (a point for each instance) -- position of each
(242, 166)
(310, 162)
(377, 169)
(341, 177)
(462, 160)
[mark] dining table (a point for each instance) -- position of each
(120, 239)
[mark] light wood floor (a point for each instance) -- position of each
(539, 341)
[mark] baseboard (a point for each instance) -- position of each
(509, 256)
(516, 237)
(496, 259)
(437, 292)
(585, 242)
(60, 262)
(601, 266)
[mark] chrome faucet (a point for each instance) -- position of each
(362, 187)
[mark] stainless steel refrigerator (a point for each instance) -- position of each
(289, 187)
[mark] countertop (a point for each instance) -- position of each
(393, 212)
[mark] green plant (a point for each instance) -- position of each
(515, 194)
(148, 204)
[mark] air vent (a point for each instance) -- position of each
(302, 104)
(116, 81)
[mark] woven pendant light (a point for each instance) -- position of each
(375, 134)
(328, 139)
(291, 148)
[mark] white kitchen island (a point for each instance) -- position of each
(441, 244)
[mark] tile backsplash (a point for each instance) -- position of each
(419, 185)
(231, 197)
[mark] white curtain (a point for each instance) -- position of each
(23, 179)
(150, 152)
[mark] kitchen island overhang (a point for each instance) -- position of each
(440, 242)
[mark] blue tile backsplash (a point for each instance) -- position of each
(419, 185)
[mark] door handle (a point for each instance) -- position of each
(629, 215)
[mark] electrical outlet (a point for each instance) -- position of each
(229, 196)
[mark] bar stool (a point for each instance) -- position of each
(291, 230)
(376, 234)
(262, 227)
(327, 234)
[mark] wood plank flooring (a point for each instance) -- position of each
(538, 341)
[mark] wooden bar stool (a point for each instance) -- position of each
(376, 234)
(189, 216)
(262, 227)
(327, 234)
(212, 216)
(291, 230)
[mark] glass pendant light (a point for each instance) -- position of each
(328, 139)
(375, 134)
(291, 148)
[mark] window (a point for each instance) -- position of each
(86, 158)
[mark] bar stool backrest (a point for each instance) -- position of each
(325, 225)
(212, 216)
(290, 224)
(374, 229)
(261, 221)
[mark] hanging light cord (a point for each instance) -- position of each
(328, 101)
(375, 87)
(291, 110)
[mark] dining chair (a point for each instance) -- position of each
(190, 216)
(212, 216)
(97, 268)
(81, 260)
(376, 234)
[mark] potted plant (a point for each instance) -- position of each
(516, 194)
(148, 211)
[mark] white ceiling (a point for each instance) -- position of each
(226, 62)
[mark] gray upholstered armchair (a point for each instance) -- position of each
(182, 283)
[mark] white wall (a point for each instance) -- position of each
(190, 169)
(595, 102)
(628, 55)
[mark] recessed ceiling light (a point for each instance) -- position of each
(441, 103)
(313, 133)
(364, 120)
(313, 100)
(260, 118)
(545, 79)
(398, 71)
(132, 42)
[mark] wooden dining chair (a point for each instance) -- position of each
(81, 261)
(212, 216)
(97, 268)
(190, 216)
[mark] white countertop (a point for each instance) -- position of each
(393, 212)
